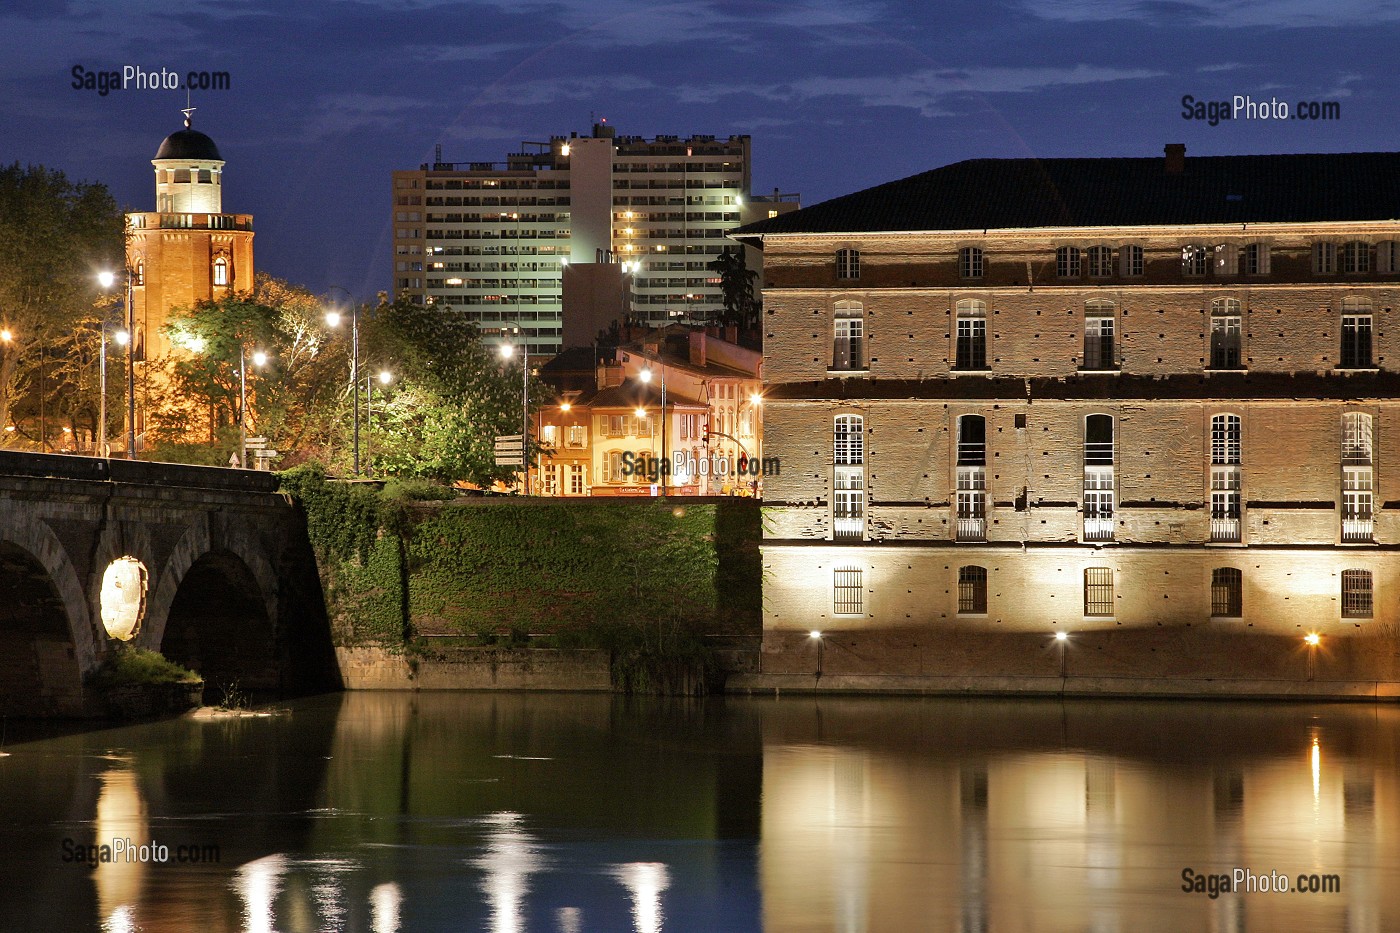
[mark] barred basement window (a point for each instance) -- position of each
(972, 590)
(848, 263)
(847, 591)
(1226, 593)
(1067, 262)
(970, 262)
(1098, 591)
(1357, 596)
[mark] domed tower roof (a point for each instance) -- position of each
(189, 144)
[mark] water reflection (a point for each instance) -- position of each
(516, 813)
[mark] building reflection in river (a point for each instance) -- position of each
(902, 816)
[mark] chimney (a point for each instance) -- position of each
(1176, 158)
(731, 333)
(697, 348)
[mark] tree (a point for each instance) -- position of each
(737, 282)
(55, 236)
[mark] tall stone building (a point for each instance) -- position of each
(490, 240)
(185, 251)
(1100, 425)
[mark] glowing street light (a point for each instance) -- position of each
(816, 636)
(507, 351)
(385, 377)
(123, 337)
(333, 319)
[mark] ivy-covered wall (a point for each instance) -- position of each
(584, 572)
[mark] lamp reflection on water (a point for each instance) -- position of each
(384, 904)
(121, 814)
(511, 857)
(257, 884)
(645, 881)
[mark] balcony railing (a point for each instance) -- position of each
(1225, 529)
(847, 528)
(1098, 528)
(972, 529)
(1358, 529)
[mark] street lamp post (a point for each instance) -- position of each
(665, 468)
(385, 377)
(333, 319)
(507, 351)
(259, 358)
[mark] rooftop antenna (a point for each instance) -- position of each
(437, 154)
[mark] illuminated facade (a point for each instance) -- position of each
(1144, 402)
(490, 239)
(185, 251)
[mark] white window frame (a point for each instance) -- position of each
(972, 262)
(1067, 262)
(1226, 329)
(1255, 259)
(848, 263)
(1100, 328)
(971, 327)
(1324, 258)
(1100, 261)
(1131, 262)
(848, 338)
(1195, 260)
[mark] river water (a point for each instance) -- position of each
(561, 813)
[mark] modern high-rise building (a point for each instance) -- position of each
(491, 239)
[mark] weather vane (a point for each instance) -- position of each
(188, 108)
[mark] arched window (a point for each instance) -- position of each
(848, 263)
(1226, 593)
(1225, 502)
(1254, 259)
(1388, 257)
(1098, 334)
(138, 273)
(1226, 328)
(1358, 478)
(972, 440)
(971, 350)
(972, 590)
(221, 271)
(1130, 261)
(1067, 262)
(1356, 334)
(848, 347)
(1098, 478)
(1324, 258)
(970, 262)
(1195, 259)
(1100, 262)
(1356, 257)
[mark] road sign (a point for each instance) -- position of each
(510, 450)
(254, 443)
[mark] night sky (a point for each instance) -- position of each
(328, 97)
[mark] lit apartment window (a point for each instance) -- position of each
(848, 263)
(1356, 257)
(1098, 478)
(1100, 262)
(575, 436)
(1324, 258)
(1226, 593)
(1356, 333)
(1098, 591)
(970, 262)
(612, 467)
(1195, 259)
(1358, 597)
(971, 335)
(1067, 262)
(972, 590)
(1130, 262)
(847, 591)
(1225, 334)
(1358, 480)
(848, 346)
(1225, 478)
(549, 435)
(848, 493)
(1388, 257)
(221, 271)
(1098, 334)
(1254, 259)
(971, 501)
(576, 479)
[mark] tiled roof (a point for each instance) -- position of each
(1026, 193)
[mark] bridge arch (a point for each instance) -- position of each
(46, 643)
(214, 612)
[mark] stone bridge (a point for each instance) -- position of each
(209, 566)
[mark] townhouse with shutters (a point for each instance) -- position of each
(1108, 425)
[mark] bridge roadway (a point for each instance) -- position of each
(230, 583)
